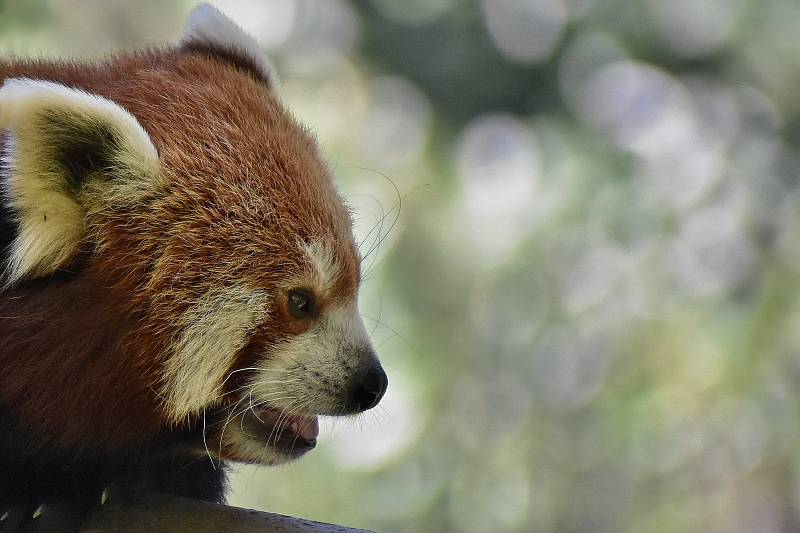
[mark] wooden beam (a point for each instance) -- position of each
(157, 513)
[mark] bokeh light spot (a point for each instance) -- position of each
(525, 30)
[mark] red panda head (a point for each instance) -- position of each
(174, 189)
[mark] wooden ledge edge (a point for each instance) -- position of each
(158, 513)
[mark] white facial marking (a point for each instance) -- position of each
(51, 219)
(215, 329)
(207, 25)
(323, 261)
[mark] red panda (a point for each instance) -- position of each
(180, 277)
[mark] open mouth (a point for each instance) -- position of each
(289, 433)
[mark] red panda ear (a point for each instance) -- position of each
(66, 153)
(211, 32)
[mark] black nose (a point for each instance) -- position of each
(369, 390)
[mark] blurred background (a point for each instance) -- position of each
(582, 233)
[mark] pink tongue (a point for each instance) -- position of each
(308, 428)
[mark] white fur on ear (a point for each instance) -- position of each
(41, 120)
(207, 25)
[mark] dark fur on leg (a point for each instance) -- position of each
(43, 489)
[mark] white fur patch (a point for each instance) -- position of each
(51, 220)
(323, 261)
(250, 450)
(207, 25)
(214, 331)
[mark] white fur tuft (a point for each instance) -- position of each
(207, 25)
(324, 264)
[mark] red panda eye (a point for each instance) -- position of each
(301, 303)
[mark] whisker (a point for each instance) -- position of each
(391, 330)
(225, 426)
(205, 442)
(266, 401)
(301, 408)
(398, 205)
(383, 215)
(276, 428)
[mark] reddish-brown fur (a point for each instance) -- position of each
(244, 186)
